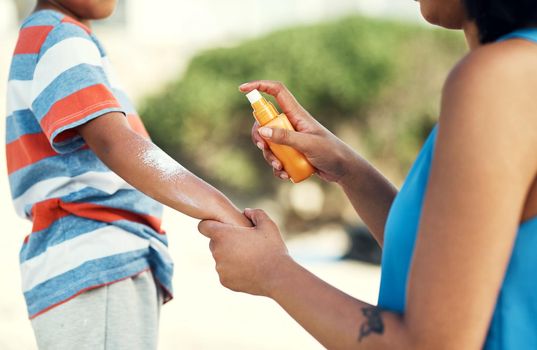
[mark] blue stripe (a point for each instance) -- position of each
(86, 195)
(162, 271)
(61, 32)
(73, 226)
(22, 67)
(68, 83)
(124, 101)
(131, 200)
(71, 164)
(96, 41)
(141, 230)
(42, 18)
(92, 273)
(60, 231)
(20, 123)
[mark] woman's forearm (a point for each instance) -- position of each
(370, 193)
(335, 319)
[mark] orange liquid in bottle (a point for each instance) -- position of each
(293, 162)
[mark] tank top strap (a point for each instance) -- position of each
(526, 33)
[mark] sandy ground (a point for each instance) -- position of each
(203, 314)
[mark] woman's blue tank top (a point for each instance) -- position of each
(514, 324)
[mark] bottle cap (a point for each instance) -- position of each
(253, 96)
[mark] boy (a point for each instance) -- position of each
(95, 268)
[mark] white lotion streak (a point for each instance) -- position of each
(169, 170)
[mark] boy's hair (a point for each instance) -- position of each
(495, 18)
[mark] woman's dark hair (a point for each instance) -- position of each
(495, 18)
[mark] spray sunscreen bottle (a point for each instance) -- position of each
(294, 162)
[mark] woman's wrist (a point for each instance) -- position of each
(284, 274)
(352, 165)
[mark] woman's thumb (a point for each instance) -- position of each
(286, 137)
(257, 216)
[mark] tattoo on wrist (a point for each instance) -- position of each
(373, 322)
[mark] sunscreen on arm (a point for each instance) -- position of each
(294, 162)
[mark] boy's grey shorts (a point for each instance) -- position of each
(122, 315)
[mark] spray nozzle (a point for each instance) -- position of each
(254, 96)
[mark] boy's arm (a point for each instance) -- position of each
(149, 169)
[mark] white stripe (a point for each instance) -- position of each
(18, 95)
(162, 249)
(68, 255)
(110, 73)
(108, 182)
(66, 54)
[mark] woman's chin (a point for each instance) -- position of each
(448, 19)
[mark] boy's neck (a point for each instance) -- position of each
(54, 5)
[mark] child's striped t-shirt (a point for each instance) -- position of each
(90, 228)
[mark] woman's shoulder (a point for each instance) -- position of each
(511, 63)
(490, 98)
(495, 81)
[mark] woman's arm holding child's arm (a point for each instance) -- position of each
(483, 167)
(149, 169)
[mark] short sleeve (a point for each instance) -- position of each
(70, 86)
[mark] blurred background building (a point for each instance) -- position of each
(369, 69)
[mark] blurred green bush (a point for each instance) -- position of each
(375, 83)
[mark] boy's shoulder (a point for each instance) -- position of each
(42, 18)
(46, 28)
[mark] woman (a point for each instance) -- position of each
(460, 237)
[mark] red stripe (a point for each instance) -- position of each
(85, 290)
(68, 19)
(137, 124)
(77, 106)
(45, 213)
(31, 39)
(26, 150)
(107, 214)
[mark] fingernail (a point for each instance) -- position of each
(260, 145)
(266, 132)
(242, 85)
(284, 176)
(276, 165)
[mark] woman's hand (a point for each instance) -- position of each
(249, 260)
(328, 154)
(370, 193)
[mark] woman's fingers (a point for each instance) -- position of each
(281, 174)
(285, 99)
(257, 139)
(212, 244)
(270, 158)
(259, 218)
